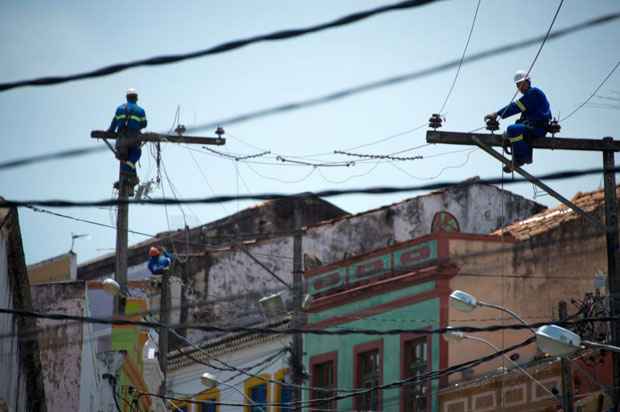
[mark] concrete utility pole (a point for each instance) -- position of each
(122, 223)
(568, 401)
(608, 147)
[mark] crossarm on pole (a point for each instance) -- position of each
(539, 183)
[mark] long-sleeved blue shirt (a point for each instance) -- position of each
(533, 106)
(128, 116)
(157, 264)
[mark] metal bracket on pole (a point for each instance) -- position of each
(540, 184)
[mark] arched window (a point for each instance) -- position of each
(445, 222)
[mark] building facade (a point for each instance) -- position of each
(21, 383)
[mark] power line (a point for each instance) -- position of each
(458, 70)
(594, 92)
(63, 154)
(376, 156)
(237, 158)
(547, 36)
(224, 47)
(422, 378)
(345, 93)
(288, 331)
(379, 190)
(390, 81)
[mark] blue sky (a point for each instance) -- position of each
(62, 37)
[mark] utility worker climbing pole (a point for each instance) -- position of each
(128, 120)
(159, 260)
(535, 117)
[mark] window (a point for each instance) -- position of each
(368, 374)
(414, 358)
(180, 406)
(284, 393)
(210, 401)
(257, 389)
(323, 370)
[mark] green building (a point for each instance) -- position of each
(404, 286)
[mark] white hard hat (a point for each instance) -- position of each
(521, 75)
(132, 91)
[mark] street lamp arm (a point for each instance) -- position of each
(597, 345)
(508, 311)
(521, 368)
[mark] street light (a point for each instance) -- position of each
(113, 288)
(558, 341)
(457, 336)
(465, 302)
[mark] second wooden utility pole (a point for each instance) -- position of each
(608, 147)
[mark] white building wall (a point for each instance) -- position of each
(186, 380)
(90, 379)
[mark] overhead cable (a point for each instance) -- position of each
(390, 81)
(346, 92)
(379, 190)
(593, 93)
(418, 379)
(237, 158)
(308, 331)
(374, 156)
(224, 47)
(458, 70)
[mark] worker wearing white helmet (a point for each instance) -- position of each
(128, 120)
(535, 116)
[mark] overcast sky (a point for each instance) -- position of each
(42, 38)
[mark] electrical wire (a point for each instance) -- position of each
(427, 377)
(376, 156)
(307, 331)
(542, 44)
(566, 174)
(593, 93)
(224, 47)
(390, 81)
(458, 70)
(604, 19)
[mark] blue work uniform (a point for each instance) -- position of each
(128, 120)
(158, 264)
(535, 116)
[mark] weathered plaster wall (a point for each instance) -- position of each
(528, 277)
(477, 207)
(12, 378)
(236, 282)
(62, 343)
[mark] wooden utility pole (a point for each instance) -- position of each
(122, 224)
(122, 221)
(608, 147)
(298, 315)
(568, 401)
